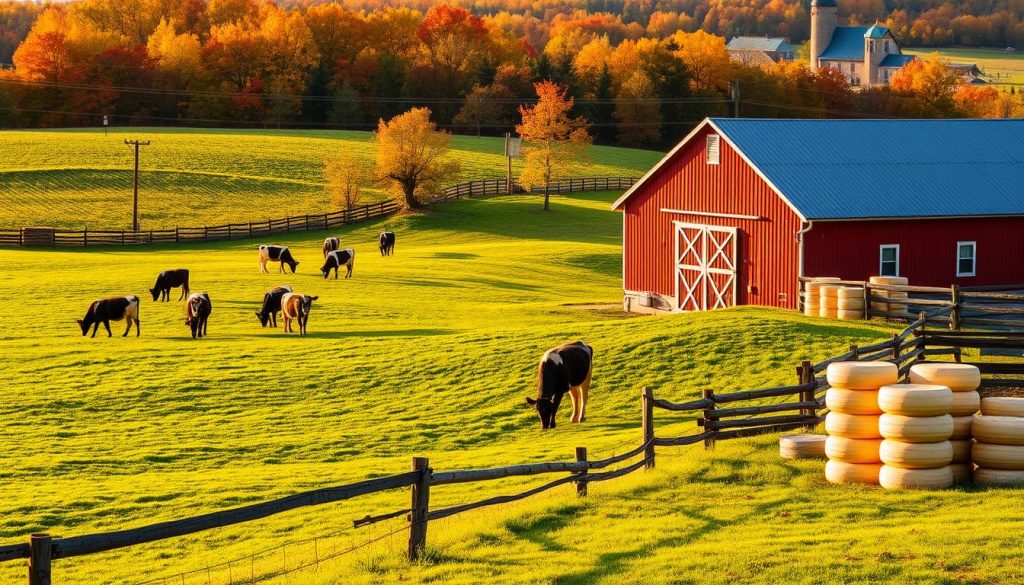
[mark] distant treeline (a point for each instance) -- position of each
(642, 75)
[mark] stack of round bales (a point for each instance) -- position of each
(852, 446)
(828, 302)
(917, 427)
(999, 448)
(812, 295)
(898, 302)
(963, 380)
(850, 305)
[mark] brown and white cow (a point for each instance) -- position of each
(104, 311)
(272, 305)
(387, 243)
(564, 369)
(276, 254)
(331, 244)
(296, 307)
(197, 312)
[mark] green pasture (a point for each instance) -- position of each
(79, 179)
(430, 353)
(1001, 68)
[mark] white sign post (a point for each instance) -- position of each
(106, 122)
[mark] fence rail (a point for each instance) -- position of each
(52, 237)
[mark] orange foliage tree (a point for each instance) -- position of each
(551, 138)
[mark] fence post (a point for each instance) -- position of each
(867, 301)
(896, 347)
(85, 237)
(706, 394)
(954, 315)
(648, 426)
(581, 486)
(40, 553)
(420, 508)
(807, 377)
(921, 340)
(855, 357)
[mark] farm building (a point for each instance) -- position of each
(740, 209)
(864, 55)
(760, 51)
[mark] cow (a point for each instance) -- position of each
(331, 244)
(276, 254)
(112, 309)
(566, 368)
(337, 259)
(295, 307)
(387, 243)
(197, 312)
(167, 280)
(272, 305)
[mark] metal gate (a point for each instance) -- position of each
(705, 267)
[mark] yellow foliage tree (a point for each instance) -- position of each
(705, 56)
(637, 109)
(551, 139)
(346, 177)
(933, 83)
(180, 54)
(412, 156)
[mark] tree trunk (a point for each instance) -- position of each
(410, 197)
(547, 196)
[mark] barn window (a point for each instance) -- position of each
(966, 258)
(889, 260)
(886, 46)
(714, 149)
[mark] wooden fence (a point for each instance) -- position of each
(51, 237)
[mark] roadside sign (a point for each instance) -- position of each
(513, 147)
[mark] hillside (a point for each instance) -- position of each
(83, 179)
(431, 352)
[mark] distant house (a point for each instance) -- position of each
(969, 71)
(741, 209)
(760, 51)
(864, 55)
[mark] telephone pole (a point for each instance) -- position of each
(135, 182)
(734, 91)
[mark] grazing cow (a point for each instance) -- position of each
(387, 243)
(276, 254)
(337, 259)
(566, 368)
(296, 308)
(272, 305)
(197, 313)
(167, 280)
(112, 309)
(331, 244)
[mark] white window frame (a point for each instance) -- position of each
(974, 259)
(881, 258)
(713, 145)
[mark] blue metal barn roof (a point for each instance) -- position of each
(847, 44)
(855, 169)
(893, 60)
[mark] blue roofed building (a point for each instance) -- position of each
(865, 55)
(760, 51)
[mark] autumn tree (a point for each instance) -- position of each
(551, 138)
(346, 177)
(705, 56)
(932, 82)
(483, 108)
(412, 156)
(637, 112)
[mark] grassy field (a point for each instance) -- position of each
(431, 353)
(1001, 68)
(82, 178)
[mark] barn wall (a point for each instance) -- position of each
(767, 248)
(927, 249)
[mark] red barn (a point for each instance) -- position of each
(740, 209)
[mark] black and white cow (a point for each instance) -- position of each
(566, 368)
(296, 307)
(337, 259)
(387, 243)
(113, 309)
(197, 312)
(167, 280)
(276, 254)
(331, 244)
(272, 305)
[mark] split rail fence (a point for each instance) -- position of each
(51, 237)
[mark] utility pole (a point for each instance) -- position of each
(135, 182)
(735, 93)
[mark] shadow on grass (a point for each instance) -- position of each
(538, 530)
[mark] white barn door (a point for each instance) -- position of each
(705, 266)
